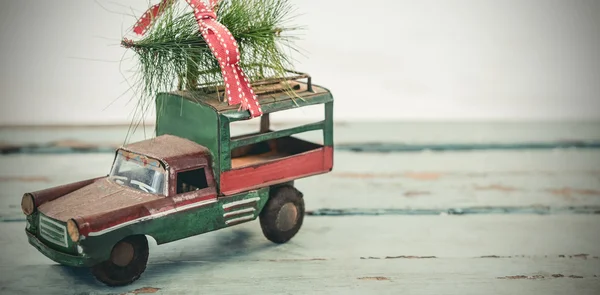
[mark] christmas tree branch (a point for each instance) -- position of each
(174, 52)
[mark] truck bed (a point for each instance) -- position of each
(274, 161)
(249, 160)
(269, 150)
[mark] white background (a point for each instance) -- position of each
(404, 60)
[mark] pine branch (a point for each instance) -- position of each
(174, 51)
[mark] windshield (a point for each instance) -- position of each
(138, 172)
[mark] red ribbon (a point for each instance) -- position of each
(222, 45)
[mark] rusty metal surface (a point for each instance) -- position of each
(99, 197)
(267, 95)
(268, 90)
(41, 197)
(170, 149)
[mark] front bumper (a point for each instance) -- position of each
(60, 257)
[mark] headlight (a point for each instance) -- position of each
(27, 204)
(73, 230)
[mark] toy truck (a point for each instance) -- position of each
(193, 177)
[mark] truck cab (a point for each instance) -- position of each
(193, 177)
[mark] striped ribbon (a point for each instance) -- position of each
(222, 45)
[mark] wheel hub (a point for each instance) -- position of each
(287, 217)
(122, 254)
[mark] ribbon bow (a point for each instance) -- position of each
(222, 45)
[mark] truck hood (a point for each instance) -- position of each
(101, 196)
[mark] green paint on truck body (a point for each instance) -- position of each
(163, 229)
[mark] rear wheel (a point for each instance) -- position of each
(126, 264)
(282, 216)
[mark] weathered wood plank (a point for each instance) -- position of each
(487, 254)
(439, 276)
(418, 181)
(396, 132)
(331, 255)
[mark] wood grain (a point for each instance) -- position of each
(418, 181)
(345, 132)
(487, 253)
(426, 255)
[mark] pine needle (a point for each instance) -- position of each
(174, 53)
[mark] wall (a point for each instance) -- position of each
(383, 59)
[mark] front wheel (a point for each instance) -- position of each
(282, 216)
(126, 264)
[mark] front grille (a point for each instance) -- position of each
(53, 231)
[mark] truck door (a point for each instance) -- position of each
(194, 195)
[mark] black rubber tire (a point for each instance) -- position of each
(278, 198)
(114, 275)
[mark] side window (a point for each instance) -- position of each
(191, 181)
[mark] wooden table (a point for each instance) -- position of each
(434, 209)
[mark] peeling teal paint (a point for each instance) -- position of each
(457, 211)
(378, 147)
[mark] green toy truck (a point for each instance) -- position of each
(192, 178)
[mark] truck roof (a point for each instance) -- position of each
(273, 96)
(167, 148)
